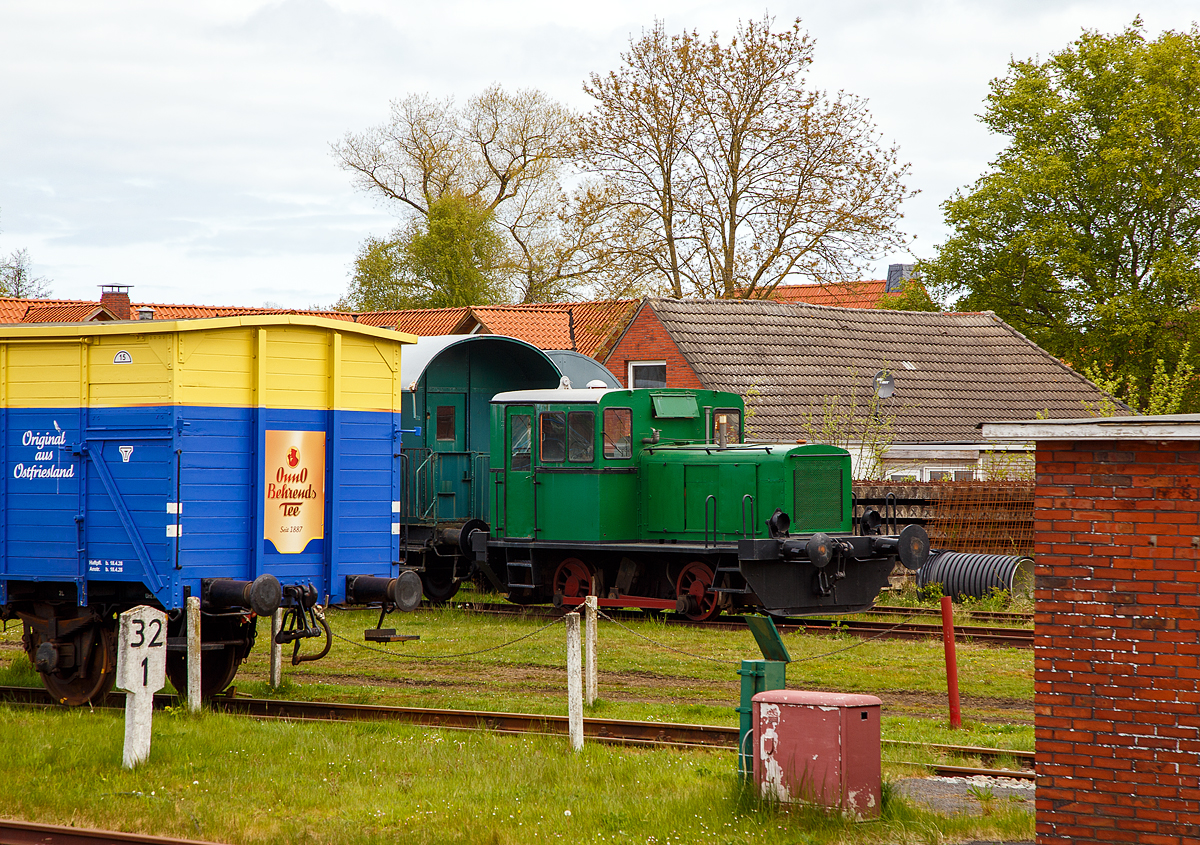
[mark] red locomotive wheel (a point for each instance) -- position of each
(694, 581)
(573, 578)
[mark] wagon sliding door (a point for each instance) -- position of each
(131, 528)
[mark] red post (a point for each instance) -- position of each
(951, 662)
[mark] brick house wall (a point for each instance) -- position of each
(1117, 641)
(646, 339)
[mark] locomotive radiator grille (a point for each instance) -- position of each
(820, 495)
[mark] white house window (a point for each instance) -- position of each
(949, 474)
(647, 373)
(932, 474)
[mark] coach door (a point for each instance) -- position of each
(519, 511)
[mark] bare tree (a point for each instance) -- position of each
(638, 137)
(505, 152)
(730, 175)
(17, 279)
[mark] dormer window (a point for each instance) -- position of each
(647, 373)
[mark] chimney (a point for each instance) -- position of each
(116, 299)
(145, 312)
(898, 274)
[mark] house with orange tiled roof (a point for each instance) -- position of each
(860, 294)
(422, 322)
(586, 327)
(590, 328)
(67, 312)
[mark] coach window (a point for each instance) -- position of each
(520, 442)
(618, 425)
(445, 422)
(554, 439)
(581, 436)
(647, 374)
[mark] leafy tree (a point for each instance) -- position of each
(1085, 233)
(1166, 393)
(913, 297)
(504, 152)
(450, 257)
(724, 175)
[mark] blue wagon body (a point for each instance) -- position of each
(182, 455)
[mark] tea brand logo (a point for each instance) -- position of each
(294, 489)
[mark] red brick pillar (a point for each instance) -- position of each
(1117, 642)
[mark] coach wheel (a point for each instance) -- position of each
(224, 644)
(79, 684)
(573, 579)
(439, 585)
(693, 584)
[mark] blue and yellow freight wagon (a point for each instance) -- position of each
(252, 462)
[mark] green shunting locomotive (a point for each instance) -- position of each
(651, 498)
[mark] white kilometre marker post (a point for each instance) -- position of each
(141, 672)
(194, 658)
(574, 682)
(589, 636)
(276, 649)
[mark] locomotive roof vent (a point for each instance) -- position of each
(596, 384)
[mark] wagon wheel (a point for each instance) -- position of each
(81, 685)
(573, 579)
(694, 581)
(218, 666)
(439, 585)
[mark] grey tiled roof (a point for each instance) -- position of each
(964, 367)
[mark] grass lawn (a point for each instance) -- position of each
(220, 777)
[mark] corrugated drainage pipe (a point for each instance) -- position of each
(976, 575)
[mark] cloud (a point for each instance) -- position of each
(185, 147)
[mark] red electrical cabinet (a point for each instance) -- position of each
(818, 747)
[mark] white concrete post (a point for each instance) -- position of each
(574, 683)
(194, 660)
(590, 605)
(276, 649)
(141, 672)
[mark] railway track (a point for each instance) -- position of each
(994, 635)
(1018, 637)
(13, 832)
(1002, 616)
(611, 731)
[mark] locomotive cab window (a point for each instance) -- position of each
(520, 442)
(554, 437)
(581, 436)
(618, 437)
(445, 422)
(731, 420)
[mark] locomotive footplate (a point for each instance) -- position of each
(624, 601)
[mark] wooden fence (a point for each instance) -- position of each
(986, 517)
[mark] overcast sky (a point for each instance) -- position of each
(183, 148)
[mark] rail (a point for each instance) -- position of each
(610, 731)
(14, 832)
